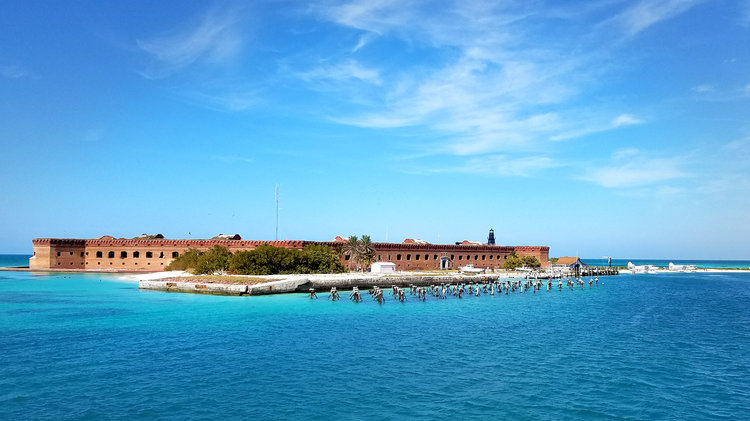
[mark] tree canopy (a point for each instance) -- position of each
(361, 252)
(264, 260)
(514, 261)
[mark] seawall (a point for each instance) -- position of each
(304, 284)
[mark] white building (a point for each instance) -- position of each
(383, 267)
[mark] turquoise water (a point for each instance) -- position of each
(89, 346)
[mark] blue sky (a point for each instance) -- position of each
(604, 128)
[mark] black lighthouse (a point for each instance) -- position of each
(491, 237)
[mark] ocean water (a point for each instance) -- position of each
(704, 264)
(10, 260)
(92, 346)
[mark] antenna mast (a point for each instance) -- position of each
(277, 212)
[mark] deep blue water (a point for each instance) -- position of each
(89, 346)
(10, 260)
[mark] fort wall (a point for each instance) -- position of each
(155, 254)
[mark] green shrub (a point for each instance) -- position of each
(269, 260)
(187, 261)
(216, 259)
(317, 258)
(530, 262)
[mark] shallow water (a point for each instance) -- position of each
(88, 346)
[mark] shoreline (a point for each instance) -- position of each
(301, 283)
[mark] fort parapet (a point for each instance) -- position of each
(152, 255)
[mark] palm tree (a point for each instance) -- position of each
(351, 247)
(366, 252)
(361, 251)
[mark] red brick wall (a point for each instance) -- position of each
(83, 254)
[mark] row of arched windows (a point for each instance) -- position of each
(136, 254)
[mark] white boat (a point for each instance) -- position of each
(682, 268)
(642, 268)
(470, 269)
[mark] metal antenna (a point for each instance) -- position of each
(277, 212)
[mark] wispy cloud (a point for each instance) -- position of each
(14, 71)
(714, 93)
(499, 165)
(497, 85)
(647, 13)
(633, 168)
(745, 13)
(597, 125)
(363, 40)
(626, 120)
(506, 166)
(215, 38)
(222, 98)
(704, 89)
(232, 158)
(348, 70)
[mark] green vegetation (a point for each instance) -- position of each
(361, 252)
(514, 261)
(186, 261)
(215, 260)
(554, 260)
(264, 260)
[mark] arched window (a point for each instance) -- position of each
(111, 254)
(483, 256)
(408, 257)
(136, 254)
(416, 257)
(161, 255)
(123, 254)
(175, 254)
(398, 257)
(149, 255)
(98, 254)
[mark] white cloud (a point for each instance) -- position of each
(232, 158)
(506, 166)
(596, 124)
(214, 39)
(497, 85)
(625, 120)
(633, 168)
(363, 40)
(704, 89)
(349, 70)
(647, 13)
(13, 71)
(222, 99)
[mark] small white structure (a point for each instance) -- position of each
(682, 268)
(383, 267)
(470, 269)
